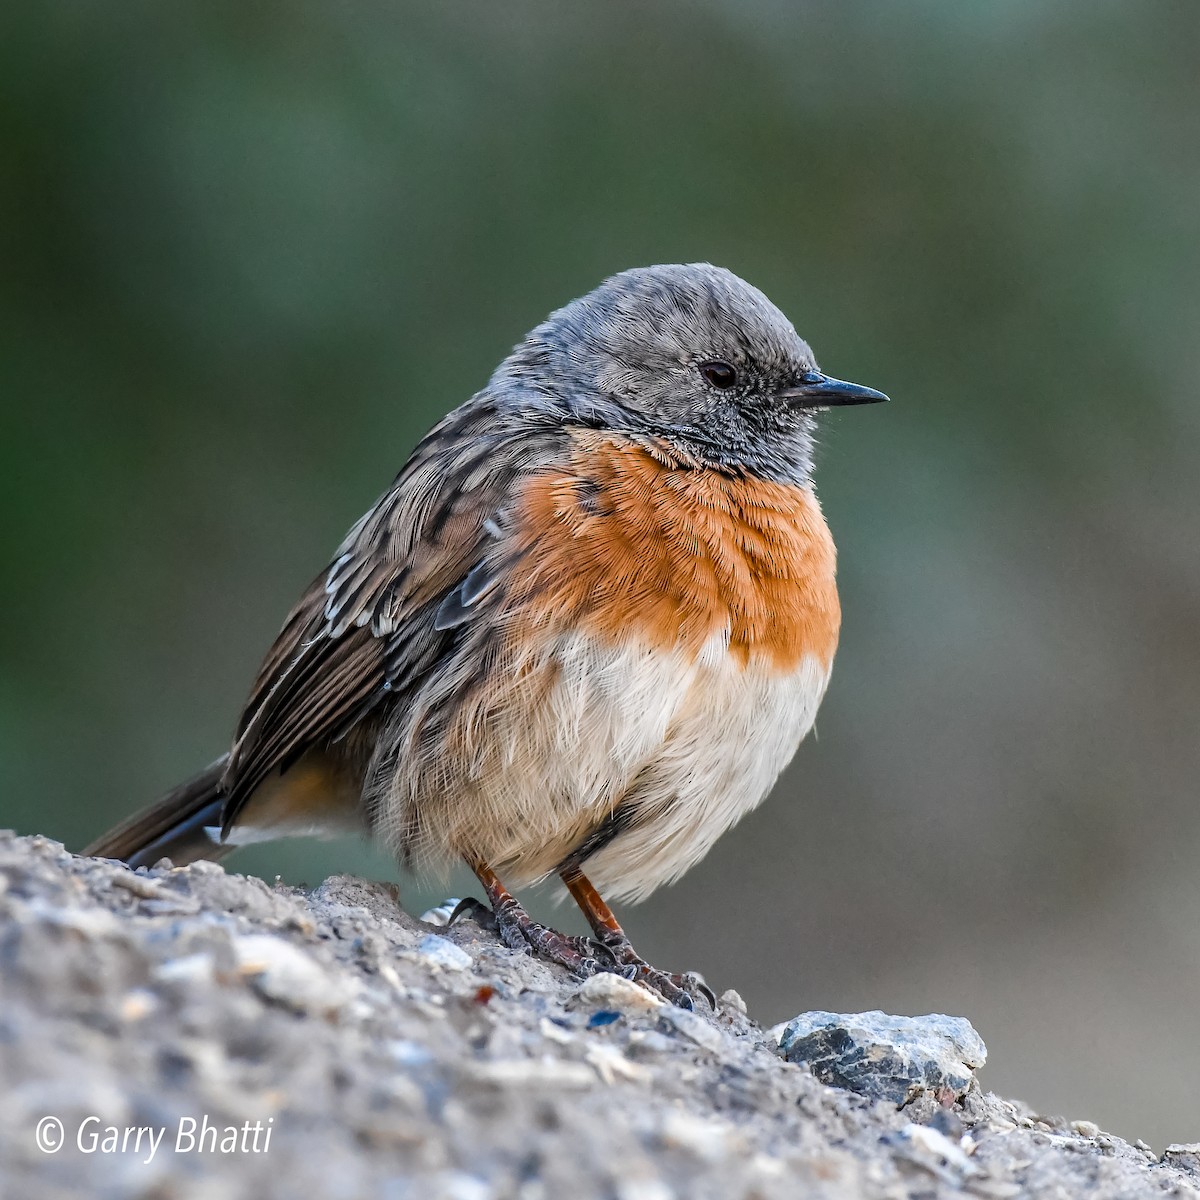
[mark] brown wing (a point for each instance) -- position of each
(386, 610)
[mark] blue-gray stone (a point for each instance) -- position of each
(885, 1057)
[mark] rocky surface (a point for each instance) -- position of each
(338, 1047)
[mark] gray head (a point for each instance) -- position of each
(691, 355)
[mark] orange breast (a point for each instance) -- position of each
(626, 539)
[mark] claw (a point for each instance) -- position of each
(468, 906)
(690, 981)
(606, 960)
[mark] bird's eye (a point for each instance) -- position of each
(720, 374)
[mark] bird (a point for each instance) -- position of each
(580, 635)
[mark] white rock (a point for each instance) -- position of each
(612, 1065)
(606, 990)
(733, 1000)
(442, 952)
(556, 1033)
(141, 885)
(458, 1185)
(705, 1139)
(643, 1189)
(286, 974)
(543, 1072)
(696, 1028)
(190, 968)
(88, 923)
(136, 1004)
(937, 1144)
(407, 1053)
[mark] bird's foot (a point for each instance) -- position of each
(609, 950)
(681, 990)
(519, 931)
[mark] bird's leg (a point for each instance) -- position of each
(519, 931)
(679, 989)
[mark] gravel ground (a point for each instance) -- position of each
(342, 1048)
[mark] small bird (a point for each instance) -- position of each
(580, 635)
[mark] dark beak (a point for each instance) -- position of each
(815, 390)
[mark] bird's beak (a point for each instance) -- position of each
(815, 390)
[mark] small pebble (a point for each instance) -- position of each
(407, 1053)
(443, 953)
(458, 1185)
(137, 1004)
(703, 1138)
(139, 885)
(612, 1065)
(694, 1027)
(643, 1189)
(533, 1072)
(947, 1122)
(555, 1033)
(286, 974)
(731, 999)
(649, 1043)
(608, 991)
(930, 1141)
(188, 969)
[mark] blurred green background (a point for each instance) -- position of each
(251, 251)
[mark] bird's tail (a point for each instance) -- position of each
(175, 827)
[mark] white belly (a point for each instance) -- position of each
(529, 771)
(725, 747)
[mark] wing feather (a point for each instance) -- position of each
(365, 633)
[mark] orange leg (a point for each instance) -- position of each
(610, 935)
(599, 916)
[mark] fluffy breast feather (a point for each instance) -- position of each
(627, 538)
(664, 640)
(738, 727)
